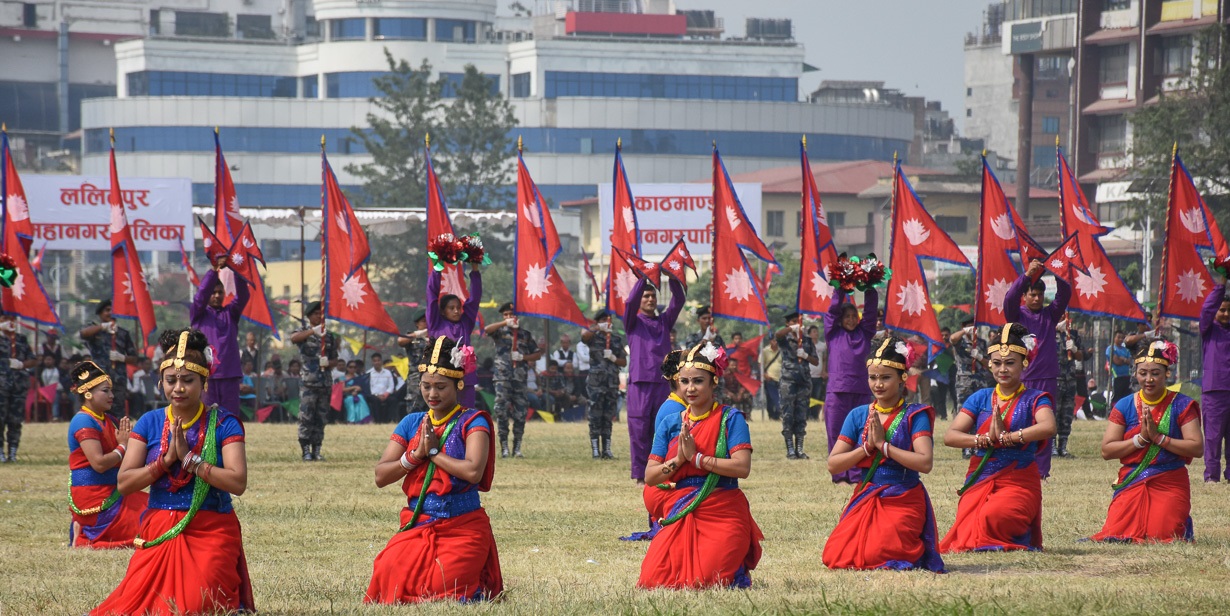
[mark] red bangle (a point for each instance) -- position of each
(155, 469)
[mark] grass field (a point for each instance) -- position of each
(311, 532)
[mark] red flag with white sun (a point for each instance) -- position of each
(817, 250)
(452, 279)
(129, 294)
(736, 293)
(233, 231)
(26, 298)
(625, 236)
(540, 291)
(1003, 248)
(1191, 236)
(915, 237)
(348, 294)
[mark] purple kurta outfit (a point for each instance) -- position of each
(1042, 373)
(649, 342)
(460, 331)
(847, 367)
(221, 329)
(1215, 399)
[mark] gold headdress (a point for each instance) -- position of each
(177, 360)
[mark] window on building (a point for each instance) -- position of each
(1112, 134)
(312, 27)
(969, 91)
(196, 23)
(775, 223)
(400, 29)
(561, 84)
(311, 86)
(521, 85)
(155, 22)
(1051, 67)
(348, 29)
(254, 26)
(1044, 157)
(836, 219)
(1117, 5)
(1050, 125)
(29, 15)
(455, 31)
(953, 224)
(181, 83)
(969, 113)
(1174, 57)
(1114, 66)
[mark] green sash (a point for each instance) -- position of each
(1163, 427)
(973, 477)
(200, 489)
(107, 504)
(879, 457)
(710, 481)
(431, 472)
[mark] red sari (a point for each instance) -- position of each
(1156, 505)
(718, 543)
(450, 552)
(116, 526)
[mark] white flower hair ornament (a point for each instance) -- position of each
(709, 352)
(209, 357)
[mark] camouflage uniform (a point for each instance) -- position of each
(13, 387)
(315, 394)
(509, 379)
(795, 389)
(414, 394)
(100, 351)
(972, 373)
(602, 388)
(1065, 406)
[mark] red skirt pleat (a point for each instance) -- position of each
(1001, 512)
(879, 530)
(453, 558)
(708, 547)
(657, 501)
(122, 528)
(1156, 509)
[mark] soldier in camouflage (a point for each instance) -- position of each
(970, 352)
(798, 353)
(607, 356)
(415, 343)
(1071, 358)
(14, 383)
(515, 354)
(317, 382)
(110, 346)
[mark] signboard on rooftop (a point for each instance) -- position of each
(666, 213)
(72, 212)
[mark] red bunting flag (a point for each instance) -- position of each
(736, 293)
(625, 236)
(915, 237)
(540, 291)
(676, 261)
(1191, 236)
(26, 298)
(229, 224)
(129, 293)
(817, 250)
(1004, 247)
(1097, 288)
(348, 294)
(638, 266)
(215, 248)
(1067, 262)
(452, 278)
(37, 261)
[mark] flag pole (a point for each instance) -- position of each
(324, 353)
(1174, 163)
(114, 333)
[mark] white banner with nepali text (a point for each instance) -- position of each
(71, 212)
(666, 213)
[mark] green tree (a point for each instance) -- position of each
(477, 125)
(1197, 117)
(951, 290)
(471, 150)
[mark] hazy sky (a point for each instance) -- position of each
(912, 45)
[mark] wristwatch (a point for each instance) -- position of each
(433, 452)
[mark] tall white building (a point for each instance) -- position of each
(276, 74)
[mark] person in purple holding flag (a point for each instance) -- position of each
(220, 324)
(1040, 319)
(649, 343)
(1215, 393)
(449, 316)
(848, 338)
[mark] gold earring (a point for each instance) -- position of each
(88, 395)
(205, 387)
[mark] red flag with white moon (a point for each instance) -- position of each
(26, 298)
(677, 261)
(540, 291)
(915, 237)
(452, 277)
(1004, 247)
(229, 223)
(348, 294)
(625, 236)
(1191, 236)
(129, 293)
(736, 293)
(817, 250)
